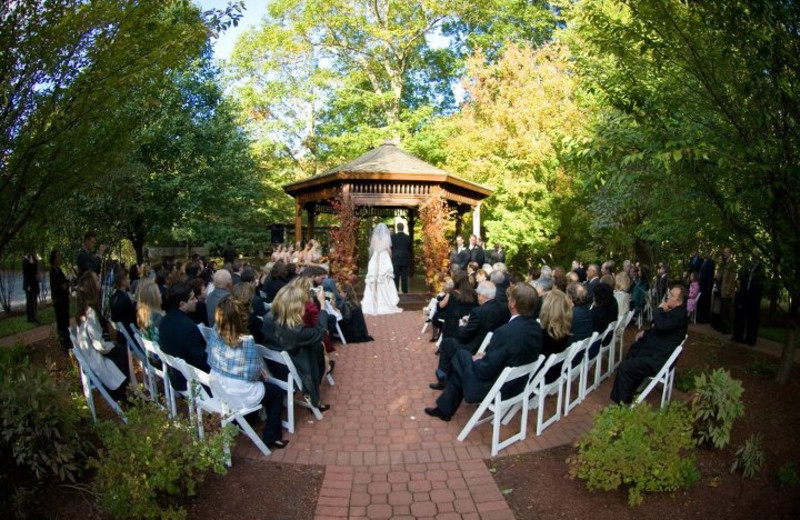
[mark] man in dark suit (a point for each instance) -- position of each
(706, 280)
(122, 308)
(517, 343)
(485, 318)
(582, 322)
(179, 336)
(88, 261)
(460, 255)
(476, 253)
(592, 279)
(401, 258)
(654, 346)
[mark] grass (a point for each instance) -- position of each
(17, 324)
(776, 334)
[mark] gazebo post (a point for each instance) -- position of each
(312, 213)
(298, 221)
(458, 221)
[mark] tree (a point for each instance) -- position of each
(65, 68)
(712, 91)
(509, 134)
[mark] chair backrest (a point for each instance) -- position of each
(431, 308)
(485, 343)
(510, 374)
(608, 334)
(663, 376)
(577, 348)
(625, 321)
(205, 331)
(330, 310)
(283, 358)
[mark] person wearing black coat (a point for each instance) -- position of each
(654, 346)
(30, 282)
(122, 308)
(179, 336)
(517, 343)
(401, 258)
(487, 317)
(476, 253)
(706, 280)
(59, 285)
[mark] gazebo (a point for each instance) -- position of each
(385, 182)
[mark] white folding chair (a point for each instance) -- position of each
(596, 362)
(573, 370)
(647, 311)
(485, 342)
(288, 385)
(205, 331)
(665, 377)
(90, 381)
(607, 347)
(429, 311)
(220, 404)
(169, 393)
(136, 350)
(619, 338)
(335, 312)
(540, 389)
(497, 406)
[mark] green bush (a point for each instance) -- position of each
(716, 404)
(641, 448)
(684, 379)
(749, 457)
(149, 466)
(788, 476)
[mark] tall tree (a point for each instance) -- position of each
(65, 67)
(712, 90)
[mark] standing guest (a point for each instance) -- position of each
(604, 311)
(498, 254)
(237, 367)
(401, 258)
(640, 288)
(592, 280)
(476, 251)
(556, 318)
(652, 347)
(726, 280)
(747, 303)
(577, 268)
(133, 275)
(517, 343)
(88, 261)
(107, 360)
(694, 290)
(148, 310)
(460, 255)
(30, 281)
(223, 284)
(59, 286)
(662, 281)
(179, 336)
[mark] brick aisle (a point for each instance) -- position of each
(384, 457)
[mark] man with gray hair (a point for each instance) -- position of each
(486, 317)
(500, 279)
(223, 284)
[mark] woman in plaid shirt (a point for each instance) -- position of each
(237, 367)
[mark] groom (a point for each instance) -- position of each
(401, 258)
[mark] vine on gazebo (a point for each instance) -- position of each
(343, 253)
(435, 217)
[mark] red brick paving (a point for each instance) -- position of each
(384, 457)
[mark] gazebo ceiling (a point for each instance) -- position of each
(386, 177)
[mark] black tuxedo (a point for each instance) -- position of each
(401, 259)
(648, 355)
(460, 258)
(86, 261)
(517, 343)
(178, 336)
(482, 320)
(706, 280)
(477, 255)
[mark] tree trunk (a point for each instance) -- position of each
(787, 356)
(138, 246)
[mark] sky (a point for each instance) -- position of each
(254, 11)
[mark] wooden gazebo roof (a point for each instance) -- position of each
(386, 177)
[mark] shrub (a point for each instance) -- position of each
(684, 380)
(641, 448)
(149, 466)
(749, 457)
(717, 403)
(788, 476)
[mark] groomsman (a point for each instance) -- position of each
(401, 258)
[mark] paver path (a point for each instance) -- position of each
(384, 457)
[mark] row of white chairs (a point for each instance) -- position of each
(576, 366)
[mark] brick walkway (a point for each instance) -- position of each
(384, 457)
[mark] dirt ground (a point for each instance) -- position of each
(537, 485)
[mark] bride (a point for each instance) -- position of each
(380, 292)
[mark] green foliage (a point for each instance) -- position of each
(640, 448)
(40, 424)
(149, 466)
(788, 475)
(749, 457)
(684, 379)
(716, 404)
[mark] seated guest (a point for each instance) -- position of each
(437, 319)
(622, 287)
(604, 311)
(582, 323)
(148, 310)
(122, 308)
(256, 304)
(501, 280)
(179, 336)
(284, 329)
(556, 318)
(200, 314)
(652, 347)
(516, 343)
(354, 327)
(487, 317)
(457, 303)
(278, 277)
(237, 367)
(244, 292)
(223, 283)
(107, 360)
(560, 278)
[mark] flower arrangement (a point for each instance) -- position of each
(343, 253)
(435, 217)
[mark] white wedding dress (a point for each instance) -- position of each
(380, 292)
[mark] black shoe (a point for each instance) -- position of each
(331, 366)
(324, 407)
(435, 412)
(438, 385)
(434, 340)
(277, 445)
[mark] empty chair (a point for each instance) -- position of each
(338, 315)
(539, 389)
(497, 406)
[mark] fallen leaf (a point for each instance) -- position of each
(508, 491)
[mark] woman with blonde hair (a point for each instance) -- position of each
(622, 288)
(239, 370)
(148, 309)
(556, 318)
(285, 330)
